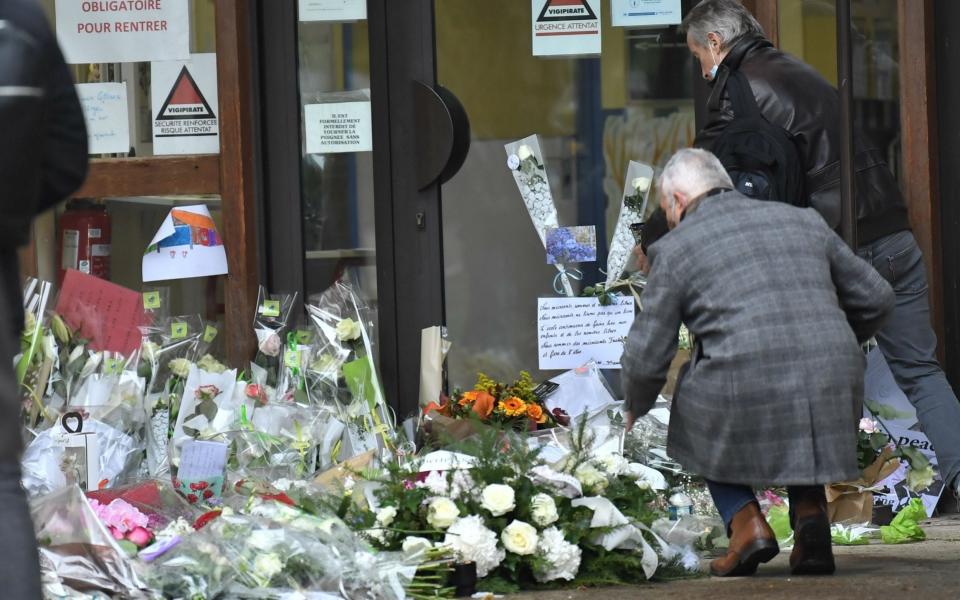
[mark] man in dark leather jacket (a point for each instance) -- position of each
(43, 159)
(791, 94)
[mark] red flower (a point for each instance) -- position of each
(281, 497)
(195, 487)
(207, 494)
(205, 518)
(561, 417)
(202, 485)
(192, 498)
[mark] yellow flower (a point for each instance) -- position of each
(512, 407)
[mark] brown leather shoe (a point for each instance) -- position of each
(812, 546)
(752, 542)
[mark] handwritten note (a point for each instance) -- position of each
(105, 313)
(574, 331)
(105, 111)
(202, 466)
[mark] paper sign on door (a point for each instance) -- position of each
(566, 27)
(184, 95)
(333, 10)
(105, 111)
(645, 13)
(112, 31)
(334, 127)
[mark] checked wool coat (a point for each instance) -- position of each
(778, 306)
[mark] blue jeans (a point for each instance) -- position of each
(730, 498)
(909, 344)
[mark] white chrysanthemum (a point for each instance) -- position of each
(562, 557)
(543, 510)
(471, 541)
(436, 482)
(442, 513)
(461, 484)
(613, 464)
(499, 499)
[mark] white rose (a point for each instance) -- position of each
(267, 566)
(442, 512)
(643, 484)
(415, 546)
(520, 538)
(544, 510)
(868, 425)
(641, 184)
(180, 367)
(524, 152)
(386, 515)
(498, 499)
(348, 330)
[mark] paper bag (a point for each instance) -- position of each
(852, 502)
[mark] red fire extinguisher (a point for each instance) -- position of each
(83, 239)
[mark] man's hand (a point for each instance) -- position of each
(641, 259)
(630, 421)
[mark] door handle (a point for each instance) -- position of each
(442, 134)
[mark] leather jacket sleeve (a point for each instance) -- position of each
(64, 159)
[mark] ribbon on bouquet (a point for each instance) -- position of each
(559, 285)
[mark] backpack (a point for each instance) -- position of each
(760, 157)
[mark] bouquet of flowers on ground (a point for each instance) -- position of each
(497, 505)
(515, 406)
(342, 374)
(270, 326)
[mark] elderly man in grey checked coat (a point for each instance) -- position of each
(778, 306)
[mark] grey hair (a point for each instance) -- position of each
(726, 18)
(692, 171)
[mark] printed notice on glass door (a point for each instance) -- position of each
(645, 13)
(566, 27)
(333, 10)
(184, 95)
(574, 331)
(112, 31)
(335, 127)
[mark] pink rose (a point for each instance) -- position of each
(868, 425)
(116, 533)
(140, 536)
(256, 392)
(271, 344)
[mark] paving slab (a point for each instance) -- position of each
(928, 570)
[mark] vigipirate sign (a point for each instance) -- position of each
(566, 27)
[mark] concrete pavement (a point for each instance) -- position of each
(928, 570)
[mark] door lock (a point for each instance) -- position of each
(421, 220)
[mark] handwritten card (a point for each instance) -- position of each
(105, 111)
(574, 331)
(201, 471)
(105, 313)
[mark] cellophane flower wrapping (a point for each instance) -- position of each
(343, 374)
(169, 347)
(271, 324)
(525, 160)
(633, 208)
(76, 550)
(277, 550)
(109, 406)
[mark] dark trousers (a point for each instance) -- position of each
(19, 560)
(729, 498)
(909, 344)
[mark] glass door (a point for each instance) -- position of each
(592, 115)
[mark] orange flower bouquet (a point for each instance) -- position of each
(513, 405)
